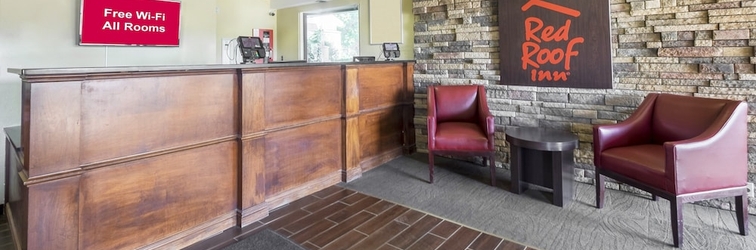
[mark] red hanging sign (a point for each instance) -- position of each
(130, 22)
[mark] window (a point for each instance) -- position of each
(332, 36)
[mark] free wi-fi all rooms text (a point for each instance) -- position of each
(128, 26)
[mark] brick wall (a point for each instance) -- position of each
(690, 47)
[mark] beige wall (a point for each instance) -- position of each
(240, 17)
(290, 20)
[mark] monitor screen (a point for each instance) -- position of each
(391, 46)
(391, 50)
(250, 42)
(251, 48)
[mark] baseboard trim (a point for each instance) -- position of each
(303, 190)
(253, 214)
(196, 234)
(377, 160)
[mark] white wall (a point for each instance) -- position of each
(240, 17)
(43, 34)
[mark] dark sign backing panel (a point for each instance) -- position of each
(130, 22)
(555, 43)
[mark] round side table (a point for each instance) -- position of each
(542, 157)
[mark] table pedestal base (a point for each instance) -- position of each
(549, 169)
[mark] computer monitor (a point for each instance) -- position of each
(251, 48)
(391, 51)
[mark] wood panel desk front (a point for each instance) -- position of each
(162, 157)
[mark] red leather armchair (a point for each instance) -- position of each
(681, 148)
(460, 123)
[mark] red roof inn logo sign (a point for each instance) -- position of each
(533, 56)
(130, 22)
(555, 43)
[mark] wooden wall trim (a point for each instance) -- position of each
(352, 157)
(60, 217)
(55, 143)
(252, 108)
(382, 108)
(188, 237)
(351, 91)
(305, 189)
(302, 124)
(351, 133)
(50, 177)
(25, 120)
(49, 78)
(95, 165)
(253, 214)
(159, 152)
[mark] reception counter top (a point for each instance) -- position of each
(166, 156)
(166, 68)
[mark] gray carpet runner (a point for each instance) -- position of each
(461, 193)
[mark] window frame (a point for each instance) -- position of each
(305, 15)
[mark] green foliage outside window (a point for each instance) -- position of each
(321, 49)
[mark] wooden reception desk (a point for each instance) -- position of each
(163, 157)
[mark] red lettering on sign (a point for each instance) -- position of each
(536, 32)
(571, 51)
(549, 76)
(547, 34)
(530, 31)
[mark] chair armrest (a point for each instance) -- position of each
(486, 120)
(636, 129)
(431, 118)
(717, 158)
(431, 132)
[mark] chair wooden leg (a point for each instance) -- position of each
(600, 189)
(493, 170)
(676, 206)
(741, 210)
(430, 167)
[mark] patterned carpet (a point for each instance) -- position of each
(461, 194)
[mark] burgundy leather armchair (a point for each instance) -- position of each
(460, 123)
(681, 148)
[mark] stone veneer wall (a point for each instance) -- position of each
(689, 47)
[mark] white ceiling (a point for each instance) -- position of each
(280, 4)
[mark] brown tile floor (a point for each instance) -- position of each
(338, 218)
(6, 241)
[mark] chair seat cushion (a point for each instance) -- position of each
(644, 163)
(460, 136)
